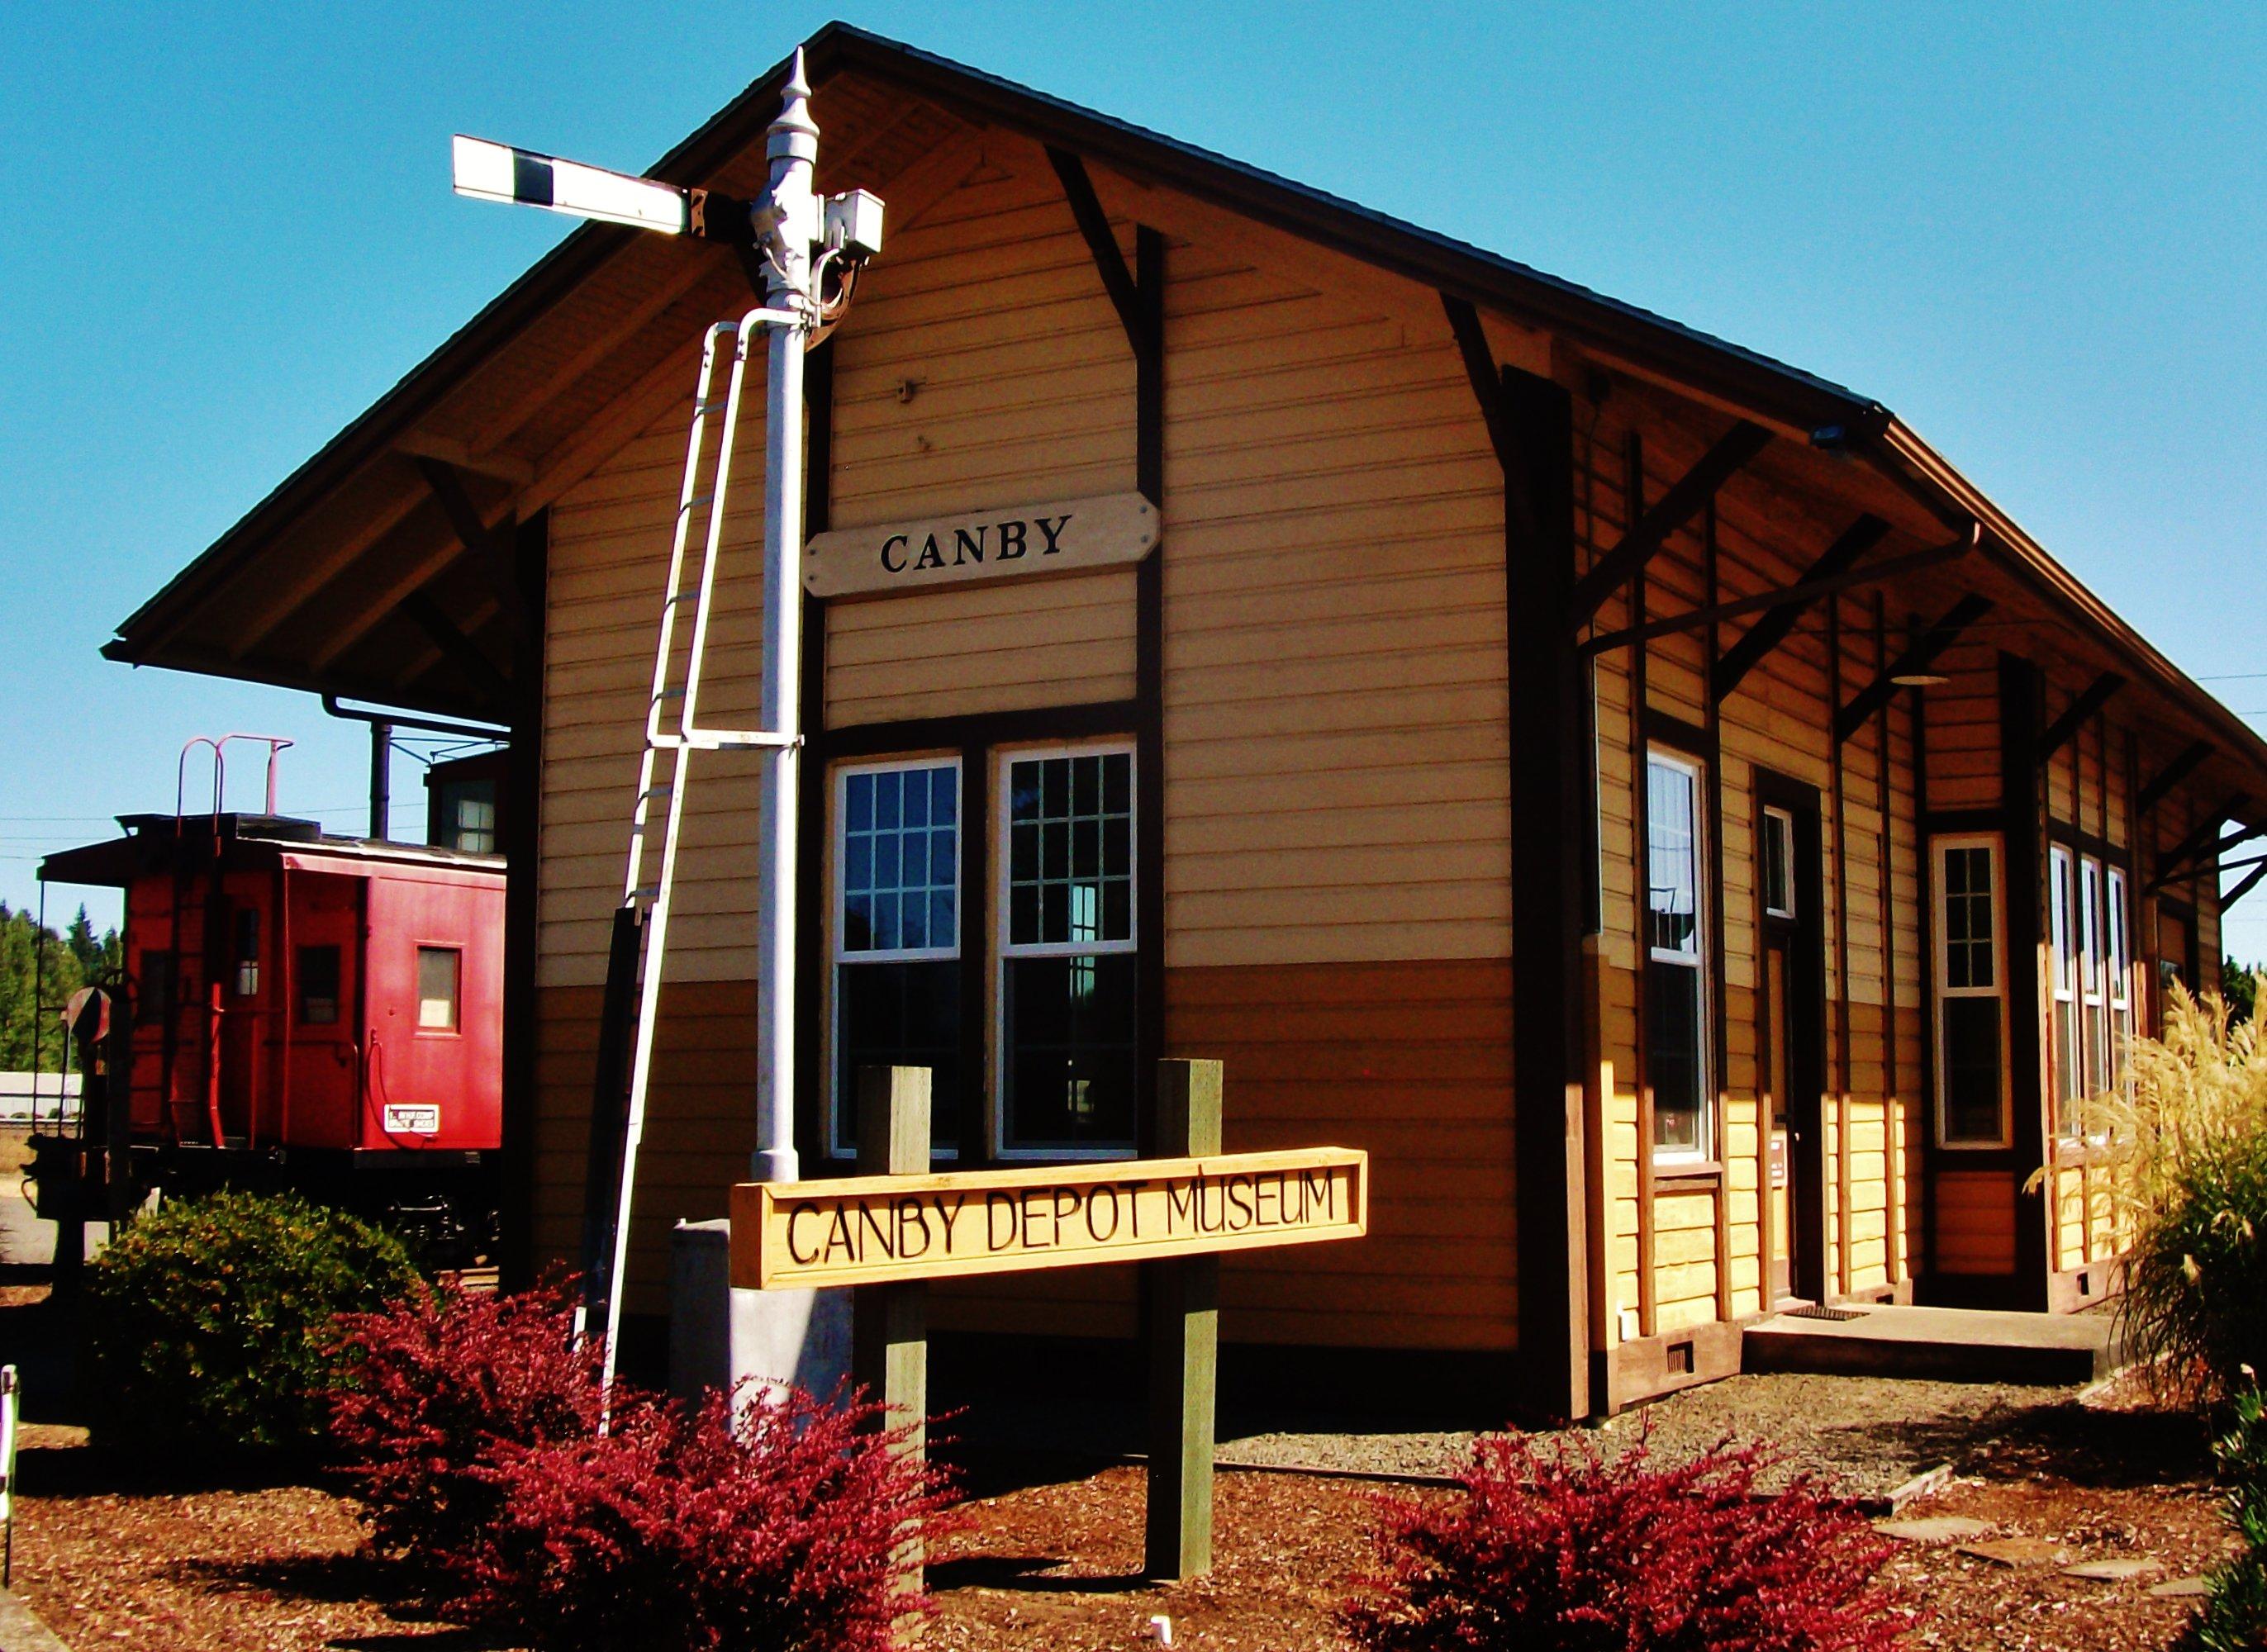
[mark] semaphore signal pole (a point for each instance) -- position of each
(798, 236)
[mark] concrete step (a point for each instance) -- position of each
(1938, 1344)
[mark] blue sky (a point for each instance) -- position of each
(2036, 232)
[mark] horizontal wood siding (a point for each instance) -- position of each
(1336, 754)
(700, 1125)
(984, 367)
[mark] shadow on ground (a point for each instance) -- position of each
(335, 1579)
(1031, 1572)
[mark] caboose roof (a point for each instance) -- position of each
(164, 842)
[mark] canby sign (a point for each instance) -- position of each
(870, 1229)
(1061, 536)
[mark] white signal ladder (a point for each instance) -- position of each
(648, 887)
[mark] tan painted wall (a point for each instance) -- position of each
(1337, 788)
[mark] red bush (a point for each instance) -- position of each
(471, 1429)
(779, 1529)
(437, 1385)
(1562, 1550)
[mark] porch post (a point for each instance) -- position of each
(2023, 827)
(1552, 871)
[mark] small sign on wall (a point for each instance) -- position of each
(1063, 537)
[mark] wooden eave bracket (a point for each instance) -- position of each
(1778, 620)
(490, 547)
(2181, 858)
(2171, 775)
(2250, 883)
(1799, 597)
(2060, 732)
(459, 649)
(1487, 379)
(1919, 655)
(1126, 295)
(1672, 510)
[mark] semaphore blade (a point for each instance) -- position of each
(498, 171)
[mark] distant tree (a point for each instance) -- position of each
(2239, 985)
(80, 938)
(39, 971)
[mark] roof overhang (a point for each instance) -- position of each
(365, 513)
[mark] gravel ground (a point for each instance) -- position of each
(1867, 1437)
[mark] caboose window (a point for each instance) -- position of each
(318, 971)
(1068, 953)
(897, 935)
(438, 970)
(247, 952)
(154, 999)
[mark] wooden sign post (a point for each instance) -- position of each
(1181, 1298)
(889, 1323)
(896, 1225)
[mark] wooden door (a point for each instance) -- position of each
(1791, 1005)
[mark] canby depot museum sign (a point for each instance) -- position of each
(1062, 536)
(872, 1230)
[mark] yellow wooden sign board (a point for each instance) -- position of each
(870, 1229)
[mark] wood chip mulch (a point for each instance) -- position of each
(111, 1553)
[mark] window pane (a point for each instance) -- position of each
(2090, 929)
(1673, 1064)
(2060, 964)
(318, 971)
(899, 854)
(899, 1015)
(1968, 918)
(437, 971)
(1971, 1070)
(1069, 1068)
(2120, 947)
(1673, 838)
(1070, 861)
(1779, 864)
(468, 816)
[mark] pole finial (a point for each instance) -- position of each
(794, 107)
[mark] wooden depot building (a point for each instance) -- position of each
(1640, 792)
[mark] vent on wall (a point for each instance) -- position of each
(1814, 1312)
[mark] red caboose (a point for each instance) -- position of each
(322, 1013)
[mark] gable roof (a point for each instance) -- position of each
(363, 488)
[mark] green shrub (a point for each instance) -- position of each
(2185, 1153)
(2235, 1618)
(211, 1320)
(2197, 1280)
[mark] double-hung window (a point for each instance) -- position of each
(896, 936)
(1677, 1064)
(1971, 1026)
(2086, 958)
(1067, 966)
(2094, 972)
(2121, 977)
(2063, 1028)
